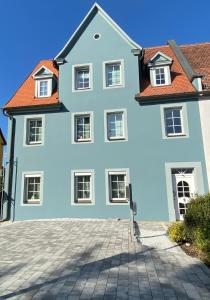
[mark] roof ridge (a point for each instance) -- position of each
(195, 44)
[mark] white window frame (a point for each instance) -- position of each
(184, 120)
(49, 87)
(125, 127)
(74, 68)
(122, 74)
(74, 130)
(108, 172)
(89, 172)
(32, 174)
(25, 130)
(166, 72)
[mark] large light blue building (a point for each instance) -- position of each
(105, 113)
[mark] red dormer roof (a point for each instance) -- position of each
(25, 95)
(180, 84)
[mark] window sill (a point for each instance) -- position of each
(119, 201)
(82, 202)
(107, 87)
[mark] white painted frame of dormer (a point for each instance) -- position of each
(74, 67)
(167, 73)
(49, 87)
(122, 74)
(42, 76)
(162, 63)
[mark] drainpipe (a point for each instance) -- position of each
(10, 167)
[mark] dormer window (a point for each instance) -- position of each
(159, 67)
(43, 82)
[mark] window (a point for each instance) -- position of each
(32, 188)
(82, 127)
(117, 182)
(160, 76)
(115, 125)
(82, 77)
(114, 75)
(173, 121)
(82, 190)
(43, 88)
(34, 131)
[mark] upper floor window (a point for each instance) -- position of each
(82, 77)
(114, 76)
(160, 78)
(173, 121)
(116, 125)
(43, 82)
(34, 130)
(82, 127)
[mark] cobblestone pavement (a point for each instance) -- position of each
(74, 259)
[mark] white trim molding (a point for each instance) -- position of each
(125, 125)
(184, 120)
(25, 130)
(74, 130)
(92, 186)
(78, 66)
(107, 183)
(122, 73)
(31, 174)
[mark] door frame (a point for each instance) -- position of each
(198, 177)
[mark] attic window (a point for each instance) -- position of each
(43, 82)
(159, 67)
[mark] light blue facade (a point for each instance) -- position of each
(145, 153)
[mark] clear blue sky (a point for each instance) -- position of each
(33, 30)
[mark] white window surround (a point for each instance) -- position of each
(167, 73)
(32, 174)
(74, 68)
(73, 129)
(110, 62)
(185, 129)
(125, 130)
(25, 130)
(82, 172)
(117, 171)
(49, 88)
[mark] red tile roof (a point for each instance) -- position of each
(198, 56)
(179, 81)
(25, 95)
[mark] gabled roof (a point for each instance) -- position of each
(2, 139)
(42, 71)
(198, 56)
(180, 84)
(159, 58)
(25, 95)
(83, 25)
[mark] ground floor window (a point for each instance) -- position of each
(83, 187)
(32, 189)
(117, 183)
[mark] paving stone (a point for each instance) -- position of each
(76, 259)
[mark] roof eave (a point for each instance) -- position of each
(174, 96)
(32, 108)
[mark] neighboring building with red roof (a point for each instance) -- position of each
(106, 113)
(2, 144)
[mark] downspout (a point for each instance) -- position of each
(10, 163)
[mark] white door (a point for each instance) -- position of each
(183, 190)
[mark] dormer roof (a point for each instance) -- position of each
(25, 95)
(159, 59)
(42, 72)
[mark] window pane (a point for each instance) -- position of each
(118, 186)
(113, 74)
(82, 78)
(34, 133)
(43, 88)
(32, 188)
(173, 121)
(160, 76)
(82, 187)
(115, 125)
(82, 128)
